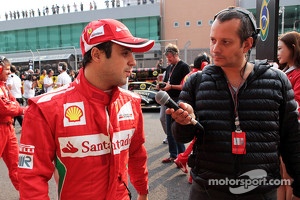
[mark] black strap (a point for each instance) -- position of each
(129, 193)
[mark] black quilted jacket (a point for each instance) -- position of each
(268, 114)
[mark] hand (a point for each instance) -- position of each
(142, 197)
(167, 87)
(183, 115)
(24, 109)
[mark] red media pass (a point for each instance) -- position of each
(238, 142)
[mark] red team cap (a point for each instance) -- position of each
(104, 30)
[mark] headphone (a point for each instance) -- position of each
(2, 64)
(62, 66)
(250, 16)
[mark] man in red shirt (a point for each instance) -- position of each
(93, 135)
(9, 108)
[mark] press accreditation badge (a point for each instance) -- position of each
(238, 142)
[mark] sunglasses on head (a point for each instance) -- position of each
(172, 51)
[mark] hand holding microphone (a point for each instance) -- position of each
(163, 98)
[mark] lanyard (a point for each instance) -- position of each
(170, 74)
(234, 95)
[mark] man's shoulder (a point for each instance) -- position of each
(56, 96)
(129, 94)
(59, 75)
(9, 80)
(17, 78)
(66, 75)
(47, 78)
(182, 63)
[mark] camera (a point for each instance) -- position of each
(162, 85)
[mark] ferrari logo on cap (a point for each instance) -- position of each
(98, 32)
(90, 30)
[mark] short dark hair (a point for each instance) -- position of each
(248, 26)
(13, 69)
(199, 59)
(63, 65)
(49, 71)
(105, 46)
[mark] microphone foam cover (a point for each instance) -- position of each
(162, 97)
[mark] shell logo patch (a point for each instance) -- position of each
(74, 114)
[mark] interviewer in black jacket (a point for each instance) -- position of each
(249, 118)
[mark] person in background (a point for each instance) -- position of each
(29, 71)
(14, 84)
(247, 117)
(48, 81)
(72, 75)
(9, 108)
(92, 130)
(41, 81)
(288, 55)
(29, 87)
(159, 66)
(37, 71)
(200, 62)
(63, 78)
(175, 73)
(162, 111)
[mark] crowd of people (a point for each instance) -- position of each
(35, 82)
(47, 10)
(59, 9)
(240, 118)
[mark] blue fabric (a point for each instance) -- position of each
(175, 148)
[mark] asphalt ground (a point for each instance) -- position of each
(166, 182)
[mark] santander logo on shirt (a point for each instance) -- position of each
(94, 145)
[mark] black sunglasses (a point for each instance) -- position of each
(172, 51)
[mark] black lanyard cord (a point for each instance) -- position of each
(129, 193)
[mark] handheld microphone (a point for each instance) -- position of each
(164, 99)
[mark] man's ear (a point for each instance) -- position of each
(248, 44)
(96, 54)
